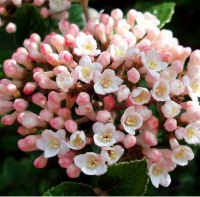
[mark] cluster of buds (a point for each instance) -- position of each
(55, 9)
(96, 89)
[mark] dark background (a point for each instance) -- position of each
(18, 177)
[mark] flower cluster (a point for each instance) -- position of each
(55, 9)
(103, 91)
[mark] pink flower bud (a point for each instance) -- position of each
(46, 49)
(53, 106)
(104, 58)
(133, 75)
(5, 107)
(30, 87)
(44, 12)
(152, 34)
(153, 154)
(17, 3)
(99, 32)
(9, 119)
(20, 105)
(13, 70)
(38, 3)
(22, 130)
(138, 31)
(194, 58)
(11, 28)
(149, 138)
(71, 126)
(31, 140)
(60, 15)
(57, 123)
(53, 59)
(70, 41)
(46, 115)
(117, 14)
(109, 103)
(56, 97)
(22, 58)
(65, 113)
(40, 162)
(66, 58)
(129, 141)
(64, 26)
(177, 66)
(83, 98)
(39, 99)
(103, 116)
(58, 42)
(12, 90)
(73, 30)
(24, 147)
(73, 171)
(151, 123)
(131, 16)
(170, 124)
(65, 162)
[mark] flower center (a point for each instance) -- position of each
(190, 132)
(195, 87)
(106, 82)
(54, 143)
(160, 90)
(92, 162)
(112, 154)
(157, 170)
(152, 65)
(88, 47)
(106, 136)
(86, 72)
(130, 121)
(179, 154)
(141, 97)
(77, 141)
(119, 52)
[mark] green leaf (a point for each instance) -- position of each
(125, 179)
(163, 12)
(76, 15)
(29, 20)
(70, 189)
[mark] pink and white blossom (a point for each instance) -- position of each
(52, 143)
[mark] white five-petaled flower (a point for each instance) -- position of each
(106, 82)
(192, 133)
(106, 135)
(161, 90)
(52, 143)
(153, 62)
(86, 68)
(91, 163)
(86, 45)
(114, 153)
(77, 140)
(159, 174)
(147, 20)
(131, 120)
(65, 80)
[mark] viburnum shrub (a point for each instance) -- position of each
(117, 99)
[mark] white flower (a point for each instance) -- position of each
(159, 175)
(153, 63)
(58, 5)
(176, 87)
(182, 154)
(106, 135)
(192, 133)
(106, 82)
(147, 20)
(52, 143)
(92, 163)
(161, 90)
(170, 109)
(86, 45)
(65, 80)
(118, 50)
(131, 120)
(140, 96)
(77, 140)
(114, 153)
(86, 68)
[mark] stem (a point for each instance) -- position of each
(82, 120)
(84, 4)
